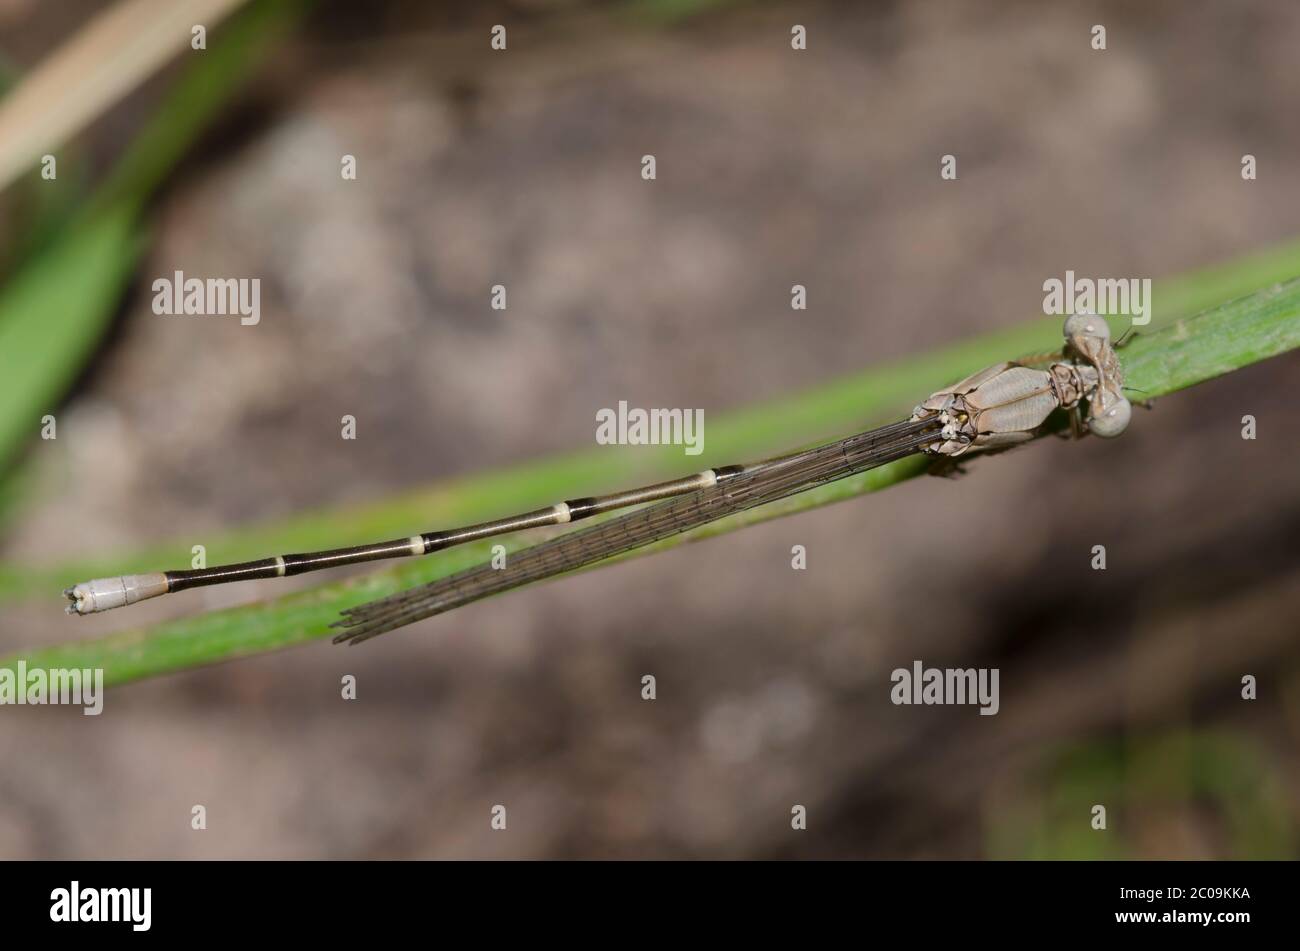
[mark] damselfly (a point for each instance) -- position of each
(993, 409)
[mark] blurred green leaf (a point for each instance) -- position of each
(1221, 778)
(56, 307)
(52, 315)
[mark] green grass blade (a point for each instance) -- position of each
(1182, 353)
(829, 410)
(52, 316)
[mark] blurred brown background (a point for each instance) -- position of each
(774, 168)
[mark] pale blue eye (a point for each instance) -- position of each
(1112, 422)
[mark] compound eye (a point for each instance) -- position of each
(1086, 325)
(1112, 422)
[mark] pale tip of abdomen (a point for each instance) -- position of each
(104, 594)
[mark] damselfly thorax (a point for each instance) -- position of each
(1008, 403)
